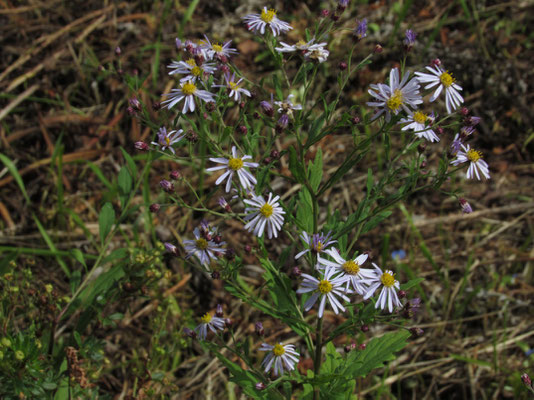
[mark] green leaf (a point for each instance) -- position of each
(304, 214)
(14, 171)
(375, 221)
(51, 245)
(316, 170)
(410, 284)
(125, 185)
(78, 256)
(106, 219)
(278, 87)
(295, 166)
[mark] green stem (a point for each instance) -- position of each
(318, 354)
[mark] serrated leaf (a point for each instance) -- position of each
(106, 219)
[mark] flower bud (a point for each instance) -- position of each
(118, 51)
(141, 146)
(334, 17)
(190, 333)
(472, 120)
(342, 5)
(527, 381)
(416, 332)
(131, 111)
(283, 122)
(242, 129)
(258, 328)
(171, 248)
(421, 148)
(402, 294)
(378, 49)
(464, 111)
(156, 106)
(466, 207)
(342, 66)
(361, 30)
(229, 254)
(440, 130)
(191, 136)
(210, 106)
(217, 239)
(365, 328)
(222, 58)
(362, 346)
(260, 386)
(355, 120)
(228, 322)
(267, 160)
(296, 272)
(215, 275)
(219, 311)
(175, 175)
(135, 104)
(256, 115)
(166, 186)
(154, 207)
(275, 154)
(267, 108)
(436, 62)
(409, 39)
(224, 204)
(178, 43)
(224, 69)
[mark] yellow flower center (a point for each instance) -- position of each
(278, 350)
(319, 246)
(395, 101)
(189, 88)
(266, 210)
(235, 163)
(206, 318)
(167, 140)
(474, 155)
(387, 279)
(301, 43)
(196, 71)
(446, 79)
(351, 267)
(267, 16)
(217, 47)
(191, 62)
(233, 85)
(202, 244)
(324, 286)
(419, 117)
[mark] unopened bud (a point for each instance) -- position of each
(296, 272)
(229, 254)
(464, 111)
(242, 105)
(350, 347)
(436, 62)
(217, 239)
(416, 332)
(215, 275)
(256, 115)
(141, 146)
(466, 207)
(248, 248)
(242, 129)
(131, 111)
(440, 130)
(224, 69)
(258, 328)
(421, 148)
(171, 248)
(260, 386)
(527, 381)
(118, 51)
(228, 322)
(283, 122)
(267, 108)
(135, 103)
(355, 120)
(224, 204)
(402, 294)
(362, 346)
(378, 49)
(210, 106)
(325, 13)
(219, 311)
(365, 328)
(191, 136)
(342, 66)
(334, 17)
(156, 106)
(154, 207)
(190, 333)
(166, 186)
(175, 175)
(267, 160)
(275, 154)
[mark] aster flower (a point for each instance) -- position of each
(350, 269)
(191, 69)
(316, 243)
(234, 87)
(477, 165)
(409, 39)
(187, 91)
(264, 213)
(218, 50)
(466, 207)
(202, 247)
(456, 144)
(258, 22)
(419, 123)
(388, 296)
(287, 106)
(327, 288)
(301, 45)
(280, 356)
(211, 322)
(361, 30)
(233, 165)
(396, 96)
(318, 55)
(445, 80)
(167, 139)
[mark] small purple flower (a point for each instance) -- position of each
(258, 328)
(466, 131)
(171, 248)
(342, 5)
(472, 120)
(267, 107)
(456, 144)
(219, 311)
(224, 204)
(466, 207)
(282, 122)
(141, 146)
(166, 140)
(179, 44)
(260, 386)
(409, 39)
(361, 30)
